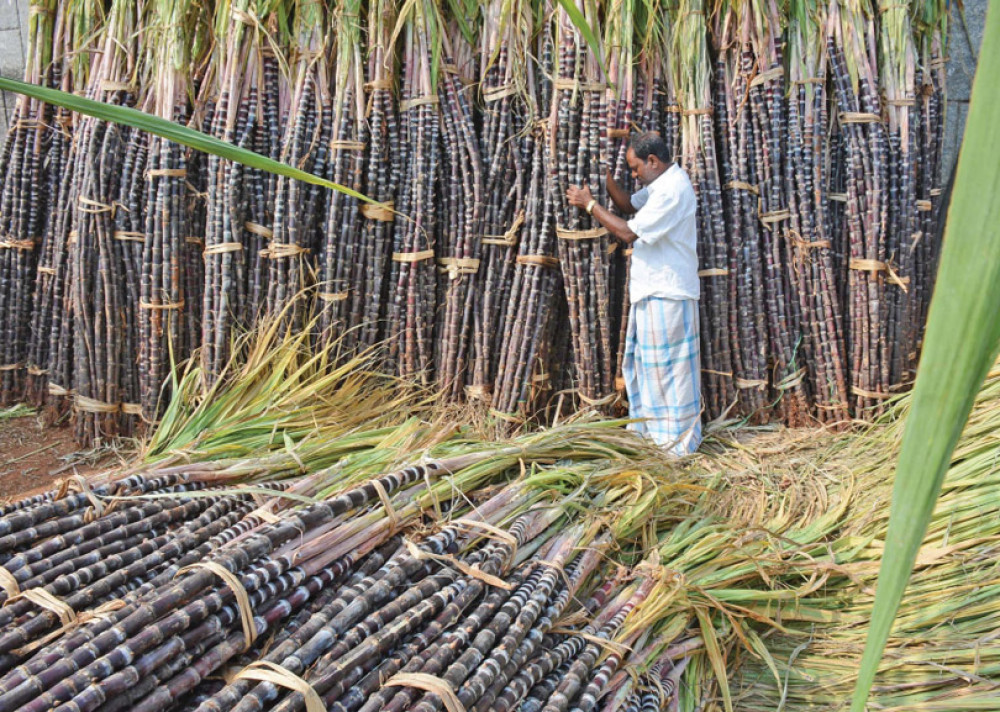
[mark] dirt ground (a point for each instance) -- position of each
(33, 456)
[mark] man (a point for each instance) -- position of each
(662, 354)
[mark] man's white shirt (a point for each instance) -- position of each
(665, 255)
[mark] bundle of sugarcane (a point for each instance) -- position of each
(810, 228)
(523, 370)
(382, 157)
(622, 98)
(930, 84)
(507, 139)
(459, 247)
(340, 291)
(412, 277)
(897, 69)
(23, 206)
(576, 132)
(237, 216)
(100, 253)
(305, 143)
(851, 50)
(163, 305)
(690, 74)
(74, 24)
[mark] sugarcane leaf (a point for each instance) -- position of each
(183, 135)
(963, 332)
(581, 24)
(715, 656)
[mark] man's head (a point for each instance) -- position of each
(648, 157)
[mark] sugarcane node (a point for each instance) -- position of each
(239, 594)
(591, 234)
(34, 10)
(265, 671)
(223, 248)
(537, 260)
(428, 683)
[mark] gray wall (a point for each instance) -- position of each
(13, 46)
(962, 53)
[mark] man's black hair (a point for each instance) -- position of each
(650, 144)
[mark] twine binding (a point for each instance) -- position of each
(239, 593)
(264, 671)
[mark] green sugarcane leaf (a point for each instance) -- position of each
(581, 24)
(172, 132)
(960, 344)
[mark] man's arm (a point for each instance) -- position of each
(618, 195)
(581, 198)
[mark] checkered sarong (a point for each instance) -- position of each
(662, 372)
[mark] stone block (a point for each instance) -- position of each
(11, 55)
(963, 47)
(954, 128)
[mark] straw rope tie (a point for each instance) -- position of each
(859, 117)
(479, 392)
(576, 85)
(390, 511)
(498, 93)
(874, 395)
(57, 390)
(161, 306)
(537, 260)
(264, 671)
(713, 272)
(935, 192)
(194, 240)
(129, 236)
(620, 384)
(809, 80)
(426, 100)
(8, 583)
(37, 371)
(449, 560)
(567, 234)
(507, 417)
(509, 238)
(598, 402)
(11, 366)
(348, 145)
(837, 197)
(619, 133)
(751, 383)
(764, 77)
(258, 229)
(239, 593)
(222, 248)
(281, 250)
(72, 237)
(264, 513)
(25, 245)
(383, 212)
(69, 618)
(107, 85)
(726, 374)
(773, 216)
(925, 206)
(496, 533)
(792, 380)
(413, 256)
(333, 296)
(46, 270)
(458, 266)
(167, 173)
(741, 185)
(901, 102)
(876, 266)
(94, 207)
(385, 84)
(91, 405)
(707, 111)
(628, 252)
(132, 409)
(428, 683)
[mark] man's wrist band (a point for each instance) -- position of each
(590, 206)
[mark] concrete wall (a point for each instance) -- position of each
(962, 53)
(13, 46)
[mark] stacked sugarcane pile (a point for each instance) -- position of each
(811, 133)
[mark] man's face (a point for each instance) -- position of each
(643, 172)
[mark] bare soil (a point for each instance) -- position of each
(33, 456)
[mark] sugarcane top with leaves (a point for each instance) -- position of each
(662, 230)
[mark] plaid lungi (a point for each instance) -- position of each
(662, 372)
